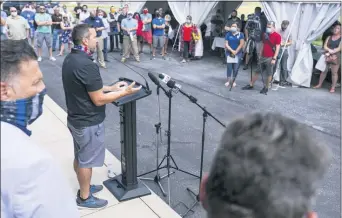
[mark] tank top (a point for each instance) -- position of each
(332, 44)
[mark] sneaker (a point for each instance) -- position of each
(138, 60)
(245, 67)
(183, 61)
(39, 59)
(247, 87)
(123, 60)
(282, 84)
(91, 202)
(264, 91)
(52, 59)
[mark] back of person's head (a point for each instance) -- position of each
(267, 166)
(257, 10)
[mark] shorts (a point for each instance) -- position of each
(147, 36)
(158, 40)
(41, 37)
(266, 66)
(140, 39)
(89, 146)
(32, 33)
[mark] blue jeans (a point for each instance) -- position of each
(233, 68)
(105, 48)
(56, 34)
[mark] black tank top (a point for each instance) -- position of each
(332, 44)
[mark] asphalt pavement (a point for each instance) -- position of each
(204, 79)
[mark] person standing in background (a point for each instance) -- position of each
(158, 34)
(28, 14)
(122, 16)
(129, 27)
(113, 22)
(57, 19)
(65, 11)
(66, 27)
(243, 23)
(17, 26)
(44, 23)
(140, 40)
(285, 35)
(167, 32)
(96, 22)
(3, 18)
(84, 14)
(233, 19)
(104, 35)
(77, 11)
(147, 30)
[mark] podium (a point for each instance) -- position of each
(127, 185)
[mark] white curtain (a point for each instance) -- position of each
(316, 18)
(312, 20)
(199, 11)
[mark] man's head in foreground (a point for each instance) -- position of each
(267, 166)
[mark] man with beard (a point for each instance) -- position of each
(32, 185)
(97, 23)
(86, 99)
(233, 19)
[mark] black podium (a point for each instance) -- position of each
(127, 186)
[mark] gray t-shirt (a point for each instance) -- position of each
(237, 20)
(147, 27)
(17, 27)
(284, 35)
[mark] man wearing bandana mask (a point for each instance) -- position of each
(285, 34)
(28, 173)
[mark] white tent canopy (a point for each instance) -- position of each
(310, 22)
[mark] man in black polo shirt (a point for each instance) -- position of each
(94, 21)
(86, 97)
(56, 29)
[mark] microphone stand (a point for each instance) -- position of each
(157, 177)
(168, 157)
(204, 115)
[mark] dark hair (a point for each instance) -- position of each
(136, 13)
(13, 53)
(268, 166)
(80, 32)
(257, 9)
(84, 6)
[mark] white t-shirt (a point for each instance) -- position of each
(32, 184)
(84, 16)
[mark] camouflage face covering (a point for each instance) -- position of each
(22, 112)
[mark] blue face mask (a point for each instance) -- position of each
(23, 112)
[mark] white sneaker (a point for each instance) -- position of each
(39, 59)
(183, 61)
(52, 59)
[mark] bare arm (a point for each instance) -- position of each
(228, 47)
(326, 43)
(276, 52)
(99, 98)
(242, 42)
(3, 21)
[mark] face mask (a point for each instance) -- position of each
(101, 17)
(233, 29)
(23, 111)
(65, 18)
(14, 14)
(129, 17)
(145, 11)
(84, 10)
(188, 21)
(268, 30)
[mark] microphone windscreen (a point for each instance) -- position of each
(171, 84)
(161, 76)
(153, 78)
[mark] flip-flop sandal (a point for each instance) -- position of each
(332, 90)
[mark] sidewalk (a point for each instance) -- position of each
(51, 132)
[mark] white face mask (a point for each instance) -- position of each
(101, 16)
(268, 30)
(233, 29)
(14, 14)
(188, 21)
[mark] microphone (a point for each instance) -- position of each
(154, 79)
(169, 82)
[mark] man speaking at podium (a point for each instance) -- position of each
(86, 97)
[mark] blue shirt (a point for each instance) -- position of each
(128, 24)
(234, 40)
(4, 16)
(158, 22)
(29, 16)
(95, 22)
